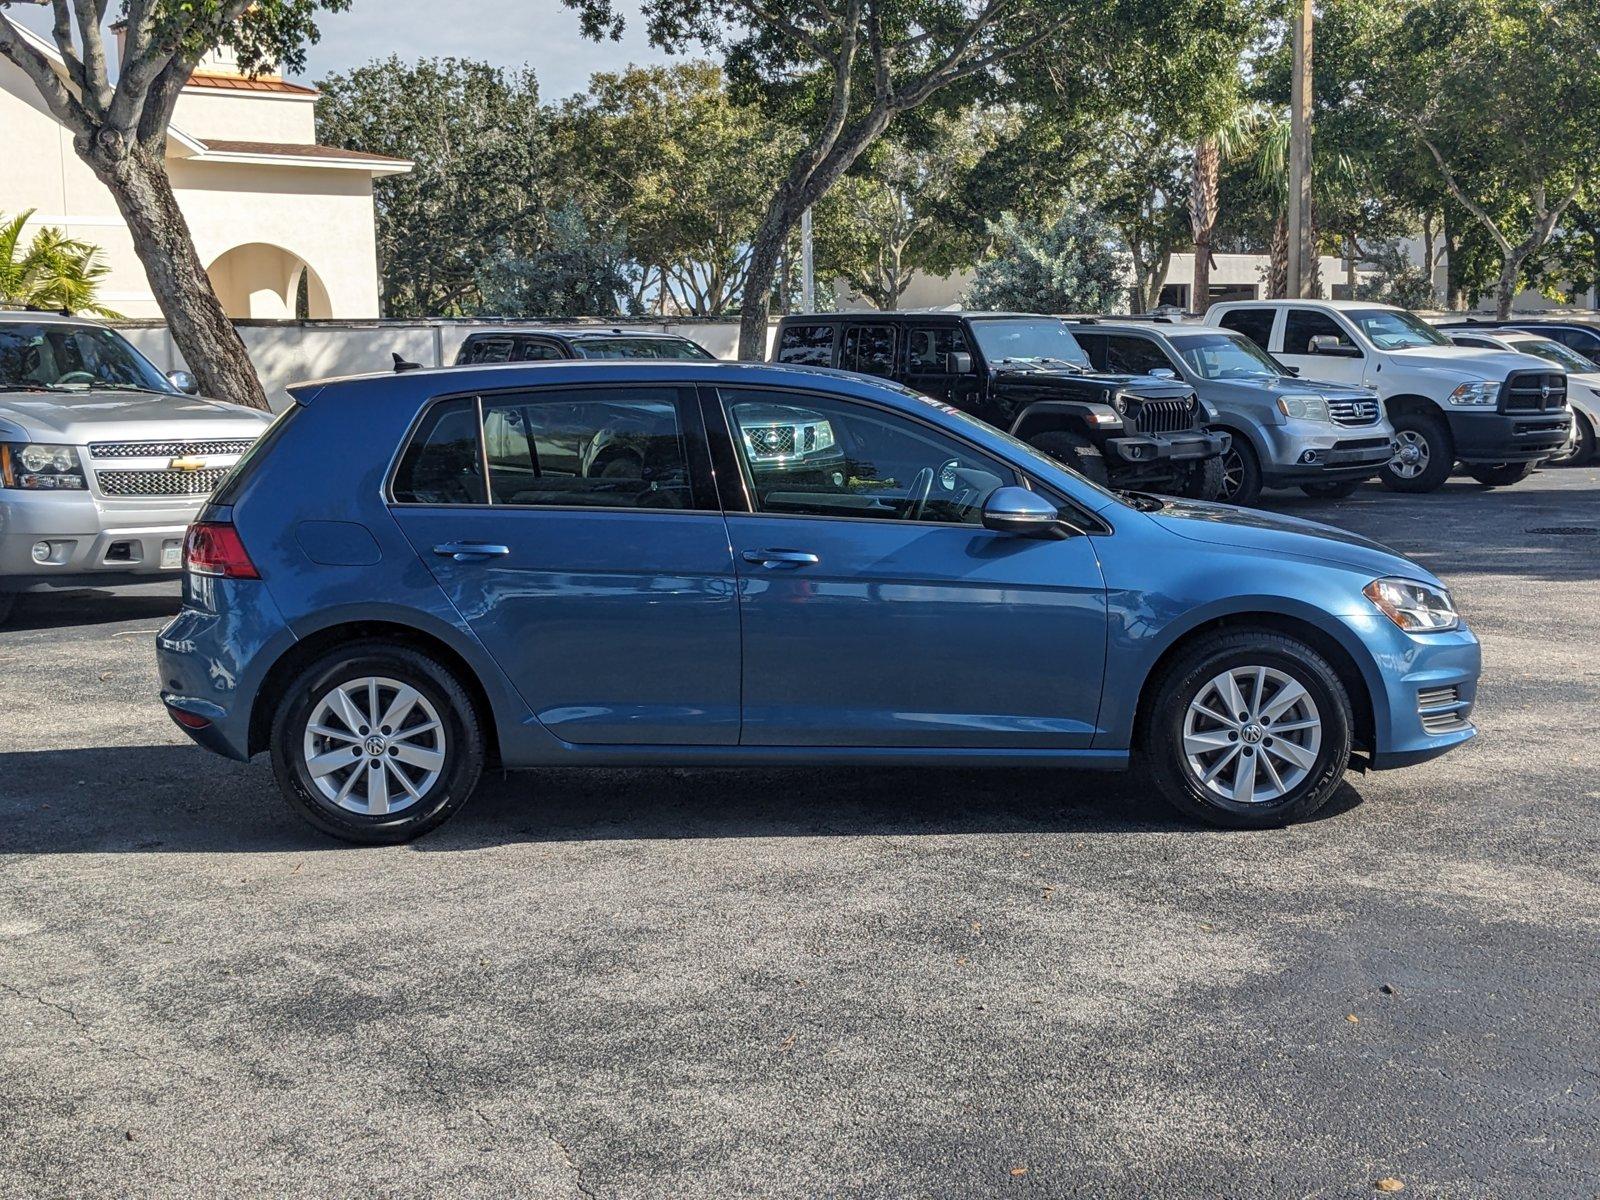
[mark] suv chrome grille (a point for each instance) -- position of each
(167, 449)
(1534, 391)
(160, 483)
(774, 439)
(1353, 412)
(1164, 416)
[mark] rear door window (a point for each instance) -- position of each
(1129, 354)
(1094, 345)
(537, 350)
(1254, 323)
(806, 345)
(869, 350)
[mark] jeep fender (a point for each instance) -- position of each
(1078, 416)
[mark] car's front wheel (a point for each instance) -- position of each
(1241, 473)
(376, 743)
(1422, 457)
(1075, 451)
(1248, 729)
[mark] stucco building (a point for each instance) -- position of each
(279, 221)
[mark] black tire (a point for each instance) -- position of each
(1583, 447)
(8, 601)
(1503, 475)
(1439, 454)
(1075, 451)
(1241, 473)
(1333, 490)
(1203, 480)
(1189, 678)
(463, 742)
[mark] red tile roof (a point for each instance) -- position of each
(240, 83)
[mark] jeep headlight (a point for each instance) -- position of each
(1477, 395)
(1304, 408)
(1415, 607)
(40, 466)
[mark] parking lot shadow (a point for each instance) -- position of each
(61, 610)
(179, 799)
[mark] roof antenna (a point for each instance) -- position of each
(401, 364)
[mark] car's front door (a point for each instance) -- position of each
(1345, 363)
(592, 562)
(877, 610)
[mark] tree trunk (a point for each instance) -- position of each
(209, 343)
(1278, 261)
(757, 301)
(1200, 293)
(1505, 287)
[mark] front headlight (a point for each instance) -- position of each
(1478, 395)
(40, 466)
(1415, 607)
(1304, 408)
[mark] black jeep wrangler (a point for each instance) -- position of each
(1028, 375)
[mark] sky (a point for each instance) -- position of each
(542, 33)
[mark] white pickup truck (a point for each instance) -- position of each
(1498, 414)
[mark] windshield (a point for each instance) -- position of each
(1555, 352)
(1226, 356)
(1035, 341)
(1388, 329)
(57, 357)
(639, 347)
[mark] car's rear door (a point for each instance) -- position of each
(877, 610)
(576, 530)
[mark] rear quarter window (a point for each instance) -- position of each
(807, 345)
(443, 463)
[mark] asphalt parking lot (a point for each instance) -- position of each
(688, 983)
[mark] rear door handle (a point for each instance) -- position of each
(468, 551)
(781, 558)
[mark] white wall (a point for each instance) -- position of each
(241, 116)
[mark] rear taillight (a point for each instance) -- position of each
(214, 548)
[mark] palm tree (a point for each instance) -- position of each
(51, 271)
(1336, 175)
(1230, 135)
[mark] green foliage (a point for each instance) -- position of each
(480, 142)
(579, 272)
(1397, 280)
(50, 271)
(1071, 265)
(266, 33)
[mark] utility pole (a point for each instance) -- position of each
(1302, 260)
(808, 272)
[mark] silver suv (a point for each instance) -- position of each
(103, 459)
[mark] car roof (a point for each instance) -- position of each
(916, 314)
(28, 316)
(1335, 305)
(578, 334)
(1160, 329)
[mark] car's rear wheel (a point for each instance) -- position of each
(1332, 490)
(1583, 446)
(1241, 473)
(376, 743)
(1248, 729)
(1422, 456)
(1503, 475)
(1075, 451)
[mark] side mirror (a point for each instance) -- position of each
(183, 381)
(958, 362)
(1327, 343)
(1018, 511)
(1162, 373)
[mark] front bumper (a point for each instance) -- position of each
(1427, 685)
(1151, 449)
(88, 541)
(1309, 456)
(1494, 437)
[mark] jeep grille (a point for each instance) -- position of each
(1164, 416)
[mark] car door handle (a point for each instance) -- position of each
(467, 551)
(781, 558)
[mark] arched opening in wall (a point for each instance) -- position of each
(266, 282)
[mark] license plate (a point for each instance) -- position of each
(171, 555)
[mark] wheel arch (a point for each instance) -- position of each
(313, 645)
(1054, 416)
(1354, 668)
(1408, 403)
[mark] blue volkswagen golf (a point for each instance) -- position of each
(411, 577)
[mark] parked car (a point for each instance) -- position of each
(1324, 438)
(557, 342)
(957, 597)
(1497, 414)
(104, 461)
(1583, 380)
(1576, 333)
(1026, 374)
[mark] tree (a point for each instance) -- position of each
(120, 130)
(1397, 281)
(1143, 179)
(1501, 95)
(578, 272)
(849, 68)
(51, 271)
(479, 141)
(1069, 266)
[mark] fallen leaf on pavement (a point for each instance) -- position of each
(1389, 1184)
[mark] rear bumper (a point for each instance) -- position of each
(1492, 437)
(1146, 449)
(83, 541)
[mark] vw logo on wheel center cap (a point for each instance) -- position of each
(376, 745)
(1250, 734)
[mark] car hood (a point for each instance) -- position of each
(1270, 533)
(78, 418)
(1069, 383)
(1468, 362)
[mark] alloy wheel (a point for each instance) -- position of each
(374, 746)
(1411, 454)
(1252, 735)
(1232, 473)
